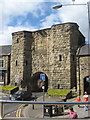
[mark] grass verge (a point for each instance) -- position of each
(58, 92)
(8, 87)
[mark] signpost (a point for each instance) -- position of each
(43, 87)
(42, 77)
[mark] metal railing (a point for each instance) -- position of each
(3, 102)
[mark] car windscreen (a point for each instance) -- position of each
(19, 92)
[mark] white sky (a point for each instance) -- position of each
(17, 15)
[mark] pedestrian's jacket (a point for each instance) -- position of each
(85, 97)
(73, 115)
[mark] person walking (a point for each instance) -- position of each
(72, 115)
(85, 99)
(78, 99)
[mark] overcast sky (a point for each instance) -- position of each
(19, 15)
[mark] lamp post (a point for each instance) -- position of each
(59, 6)
(88, 7)
(43, 78)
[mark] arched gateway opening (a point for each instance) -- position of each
(87, 84)
(36, 82)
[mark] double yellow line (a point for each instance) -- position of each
(19, 110)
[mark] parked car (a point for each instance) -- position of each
(21, 95)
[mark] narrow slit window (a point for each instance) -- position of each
(16, 62)
(26, 62)
(60, 57)
(58, 86)
(73, 57)
(17, 40)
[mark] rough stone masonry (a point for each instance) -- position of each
(51, 51)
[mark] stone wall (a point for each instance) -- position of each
(51, 51)
(40, 59)
(17, 58)
(65, 41)
(84, 72)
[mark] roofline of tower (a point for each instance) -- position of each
(43, 28)
(67, 23)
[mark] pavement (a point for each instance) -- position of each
(3, 95)
(36, 111)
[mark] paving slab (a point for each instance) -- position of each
(36, 111)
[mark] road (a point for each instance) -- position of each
(8, 108)
(37, 94)
(11, 108)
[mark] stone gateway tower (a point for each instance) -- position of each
(51, 51)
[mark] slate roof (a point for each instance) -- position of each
(85, 50)
(5, 50)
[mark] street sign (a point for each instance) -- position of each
(42, 77)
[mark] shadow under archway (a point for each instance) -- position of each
(34, 82)
(86, 85)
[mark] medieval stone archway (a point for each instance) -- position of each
(36, 82)
(86, 85)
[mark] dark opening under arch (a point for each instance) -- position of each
(86, 85)
(34, 81)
